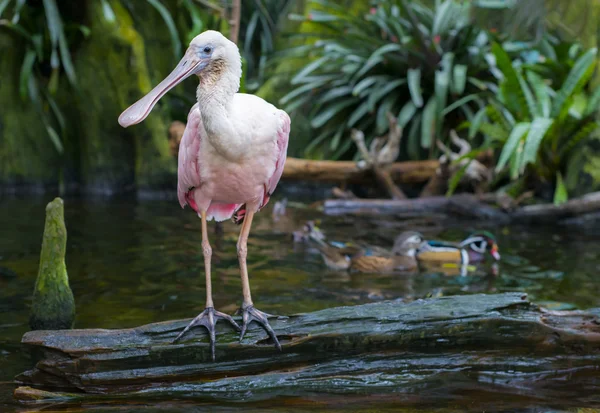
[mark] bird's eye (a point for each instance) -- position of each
(207, 50)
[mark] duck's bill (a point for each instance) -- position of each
(137, 112)
(495, 252)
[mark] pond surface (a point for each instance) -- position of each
(134, 262)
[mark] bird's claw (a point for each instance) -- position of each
(208, 319)
(250, 314)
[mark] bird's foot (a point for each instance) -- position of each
(250, 314)
(208, 318)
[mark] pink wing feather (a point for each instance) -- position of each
(187, 161)
(188, 172)
(283, 135)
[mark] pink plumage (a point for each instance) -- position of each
(198, 173)
(231, 157)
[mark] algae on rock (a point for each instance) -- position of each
(53, 304)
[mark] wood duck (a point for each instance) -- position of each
(471, 250)
(373, 259)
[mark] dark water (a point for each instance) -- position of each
(134, 262)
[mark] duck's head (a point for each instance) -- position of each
(481, 242)
(407, 243)
(210, 56)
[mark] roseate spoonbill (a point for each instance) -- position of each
(231, 157)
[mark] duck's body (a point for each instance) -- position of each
(382, 264)
(373, 259)
(473, 249)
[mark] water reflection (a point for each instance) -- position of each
(133, 262)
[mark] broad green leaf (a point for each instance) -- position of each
(3, 5)
(476, 123)
(414, 86)
(459, 79)
(26, 72)
(441, 91)
(358, 113)
(428, 130)
(510, 86)
(390, 47)
(301, 101)
(541, 94)
(365, 83)
(65, 57)
(460, 102)
(55, 138)
(378, 94)
(536, 134)
(580, 73)
(334, 93)
(585, 130)
(443, 17)
(456, 178)
(381, 123)
(299, 91)
(511, 144)
(308, 69)
(560, 193)
(406, 113)
(529, 99)
(108, 12)
(593, 103)
(330, 111)
(515, 161)
(373, 60)
(172, 29)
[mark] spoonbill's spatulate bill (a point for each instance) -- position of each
(231, 156)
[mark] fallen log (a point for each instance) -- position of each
(436, 348)
(470, 206)
(551, 213)
(413, 172)
(464, 205)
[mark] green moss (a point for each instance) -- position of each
(53, 304)
(27, 156)
(114, 73)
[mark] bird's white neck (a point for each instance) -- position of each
(215, 95)
(218, 84)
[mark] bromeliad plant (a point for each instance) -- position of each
(537, 122)
(425, 65)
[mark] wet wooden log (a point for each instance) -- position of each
(435, 346)
(464, 205)
(414, 172)
(490, 207)
(589, 203)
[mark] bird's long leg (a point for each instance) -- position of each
(249, 312)
(209, 317)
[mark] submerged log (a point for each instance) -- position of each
(436, 346)
(347, 171)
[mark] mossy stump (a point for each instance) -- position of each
(53, 306)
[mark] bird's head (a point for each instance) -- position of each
(210, 56)
(481, 242)
(407, 243)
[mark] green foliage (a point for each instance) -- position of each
(538, 123)
(425, 65)
(260, 24)
(46, 46)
